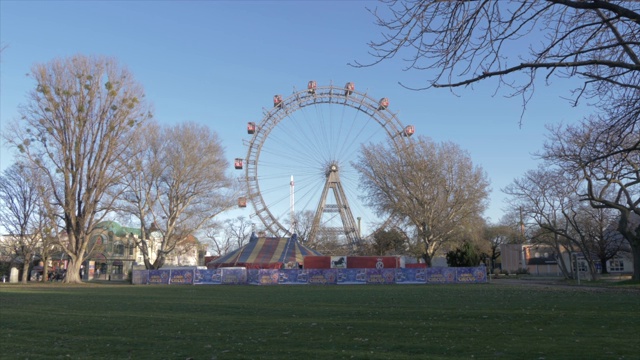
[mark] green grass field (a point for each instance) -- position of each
(481, 321)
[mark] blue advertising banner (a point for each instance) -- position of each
(233, 275)
(292, 276)
(323, 276)
(441, 275)
(241, 275)
(268, 276)
(252, 277)
(139, 277)
(159, 277)
(181, 277)
(207, 277)
(471, 275)
(352, 276)
(381, 276)
(411, 276)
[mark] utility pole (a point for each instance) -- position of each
(292, 206)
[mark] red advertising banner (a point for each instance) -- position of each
(373, 262)
(317, 262)
(351, 262)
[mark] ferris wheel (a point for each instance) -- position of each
(300, 160)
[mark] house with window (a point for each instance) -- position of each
(113, 252)
(545, 260)
(536, 259)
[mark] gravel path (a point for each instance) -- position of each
(561, 283)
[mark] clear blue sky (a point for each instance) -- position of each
(220, 62)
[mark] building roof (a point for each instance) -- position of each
(117, 229)
(265, 252)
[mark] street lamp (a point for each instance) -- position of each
(575, 256)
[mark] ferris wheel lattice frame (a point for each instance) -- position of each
(284, 107)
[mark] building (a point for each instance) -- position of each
(113, 252)
(544, 260)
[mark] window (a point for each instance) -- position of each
(118, 249)
(616, 265)
(582, 266)
(97, 240)
(117, 269)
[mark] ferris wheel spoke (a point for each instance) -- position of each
(317, 135)
(295, 140)
(298, 154)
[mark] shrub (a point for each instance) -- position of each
(464, 256)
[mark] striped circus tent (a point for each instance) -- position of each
(265, 253)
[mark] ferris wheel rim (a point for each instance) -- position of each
(332, 95)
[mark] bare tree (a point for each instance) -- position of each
(596, 42)
(514, 222)
(552, 202)
(611, 181)
(139, 184)
(52, 222)
(433, 188)
(235, 234)
(464, 42)
(28, 216)
(22, 214)
(178, 185)
(604, 241)
(547, 202)
(494, 237)
(302, 227)
(72, 129)
(328, 243)
(560, 245)
(388, 242)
